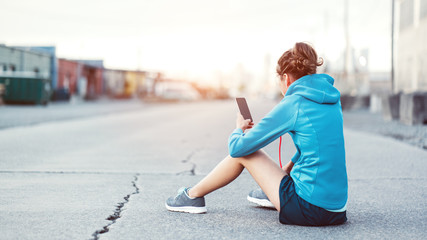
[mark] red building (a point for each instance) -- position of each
(81, 77)
(67, 75)
(92, 74)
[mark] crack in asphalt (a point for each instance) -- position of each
(117, 212)
(190, 172)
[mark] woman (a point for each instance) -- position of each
(312, 188)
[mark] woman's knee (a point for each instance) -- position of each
(234, 159)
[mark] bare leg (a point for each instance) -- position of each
(262, 168)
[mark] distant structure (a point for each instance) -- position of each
(410, 48)
(48, 50)
(35, 75)
(25, 75)
(408, 101)
(24, 62)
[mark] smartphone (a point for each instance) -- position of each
(244, 109)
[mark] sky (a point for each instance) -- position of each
(199, 40)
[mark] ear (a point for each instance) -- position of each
(287, 79)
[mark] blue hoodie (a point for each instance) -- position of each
(311, 113)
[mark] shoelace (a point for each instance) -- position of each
(182, 189)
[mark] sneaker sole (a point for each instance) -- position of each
(187, 209)
(261, 202)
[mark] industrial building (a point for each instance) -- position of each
(408, 103)
(410, 49)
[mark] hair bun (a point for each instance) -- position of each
(301, 60)
(300, 64)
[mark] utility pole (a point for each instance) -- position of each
(347, 55)
(392, 46)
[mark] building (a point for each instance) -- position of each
(23, 62)
(68, 71)
(51, 52)
(409, 101)
(114, 82)
(90, 78)
(410, 48)
(124, 83)
(25, 75)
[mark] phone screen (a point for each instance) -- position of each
(244, 109)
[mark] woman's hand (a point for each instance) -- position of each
(243, 123)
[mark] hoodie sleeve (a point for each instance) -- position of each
(276, 123)
(295, 158)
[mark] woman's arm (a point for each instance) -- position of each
(277, 122)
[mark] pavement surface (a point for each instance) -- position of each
(103, 170)
(363, 120)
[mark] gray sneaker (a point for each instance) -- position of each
(258, 197)
(183, 203)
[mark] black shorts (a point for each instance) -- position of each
(295, 210)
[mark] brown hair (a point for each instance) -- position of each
(299, 61)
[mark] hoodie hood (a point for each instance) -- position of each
(315, 87)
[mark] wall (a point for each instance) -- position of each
(114, 82)
(411, 48)
(94, 77)
(67, 75)
(24, 62)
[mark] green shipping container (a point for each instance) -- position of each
(26, 90)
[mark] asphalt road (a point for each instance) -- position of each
(105, 172)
